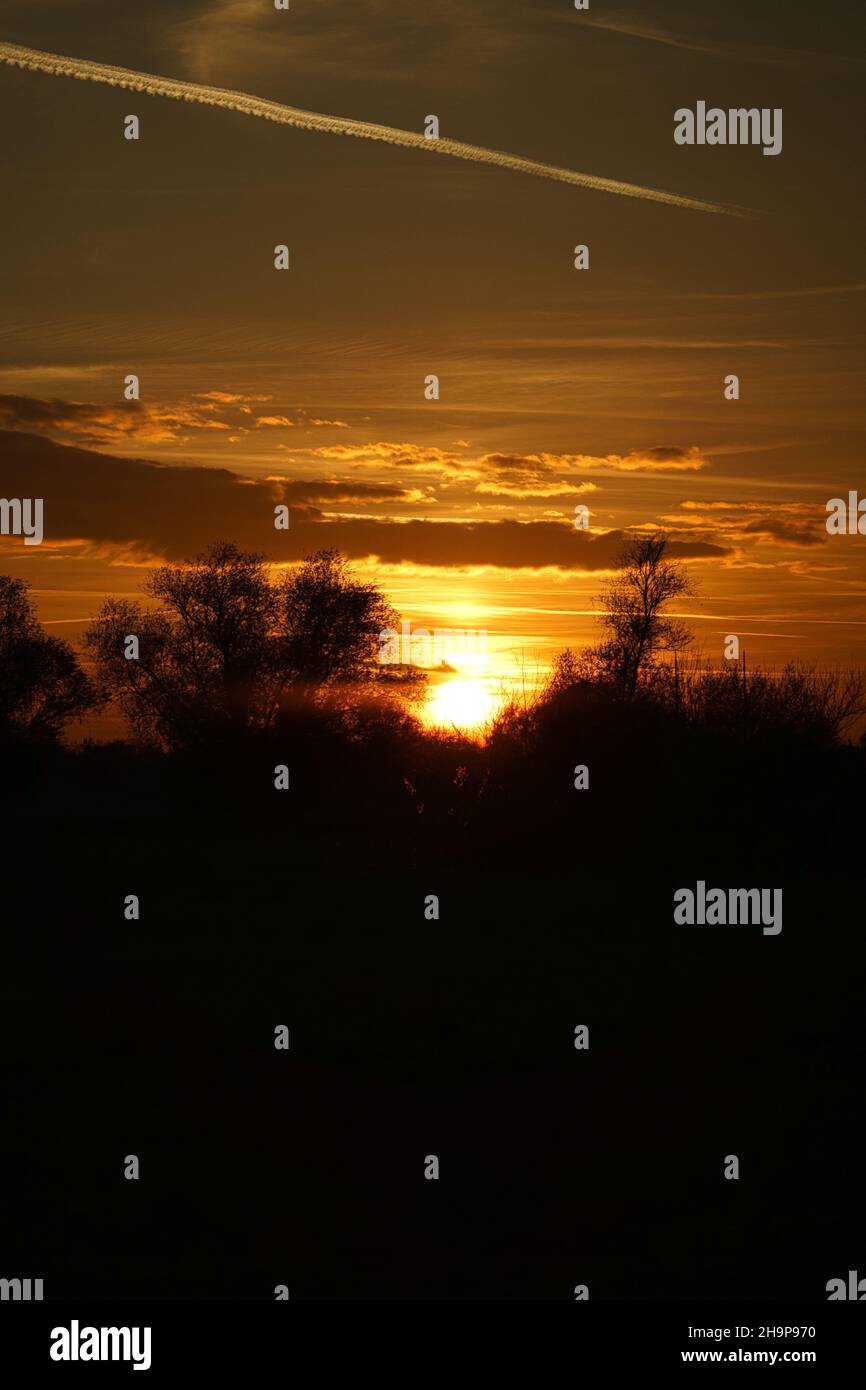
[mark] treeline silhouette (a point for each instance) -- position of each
(634, 747)
(412, 1033)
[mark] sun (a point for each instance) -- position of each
(465, 703)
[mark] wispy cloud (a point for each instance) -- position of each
(381, 41)
(797, 292)
(516, 468)
(636, 27)
(799, 524)
(226, 412)
(660, 459)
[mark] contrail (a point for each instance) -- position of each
(32, 59)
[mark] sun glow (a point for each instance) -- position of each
(464, 703)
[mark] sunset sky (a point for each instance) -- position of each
(558, 387)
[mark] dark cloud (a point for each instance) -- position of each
(90, 423)
(763, 523)
(532, 464)
(781, 532)
(659, 459)
(507, 544)
(86, 422)
(331, 490)
(663, 454)
(175, 512)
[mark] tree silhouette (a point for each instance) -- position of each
(636, 627)
(228, 650)
(332, 623)
(41, 684)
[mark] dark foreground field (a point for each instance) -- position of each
(454, 1037)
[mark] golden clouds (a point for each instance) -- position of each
(95, 424)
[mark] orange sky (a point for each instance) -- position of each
(558, 387)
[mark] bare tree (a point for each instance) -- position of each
(636, 625)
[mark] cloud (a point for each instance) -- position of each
(90, 423)
(131, 506)
(369, 40)
(382, 454)
(801, 524)
(526, 492)
(635, 27)
(333, 490)
(664, 459)
(511, 470)
(631, 342)
(799, 292)
(105, 424)
(524, 476)
(228, 397)
(54, 371)
(779, 531)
